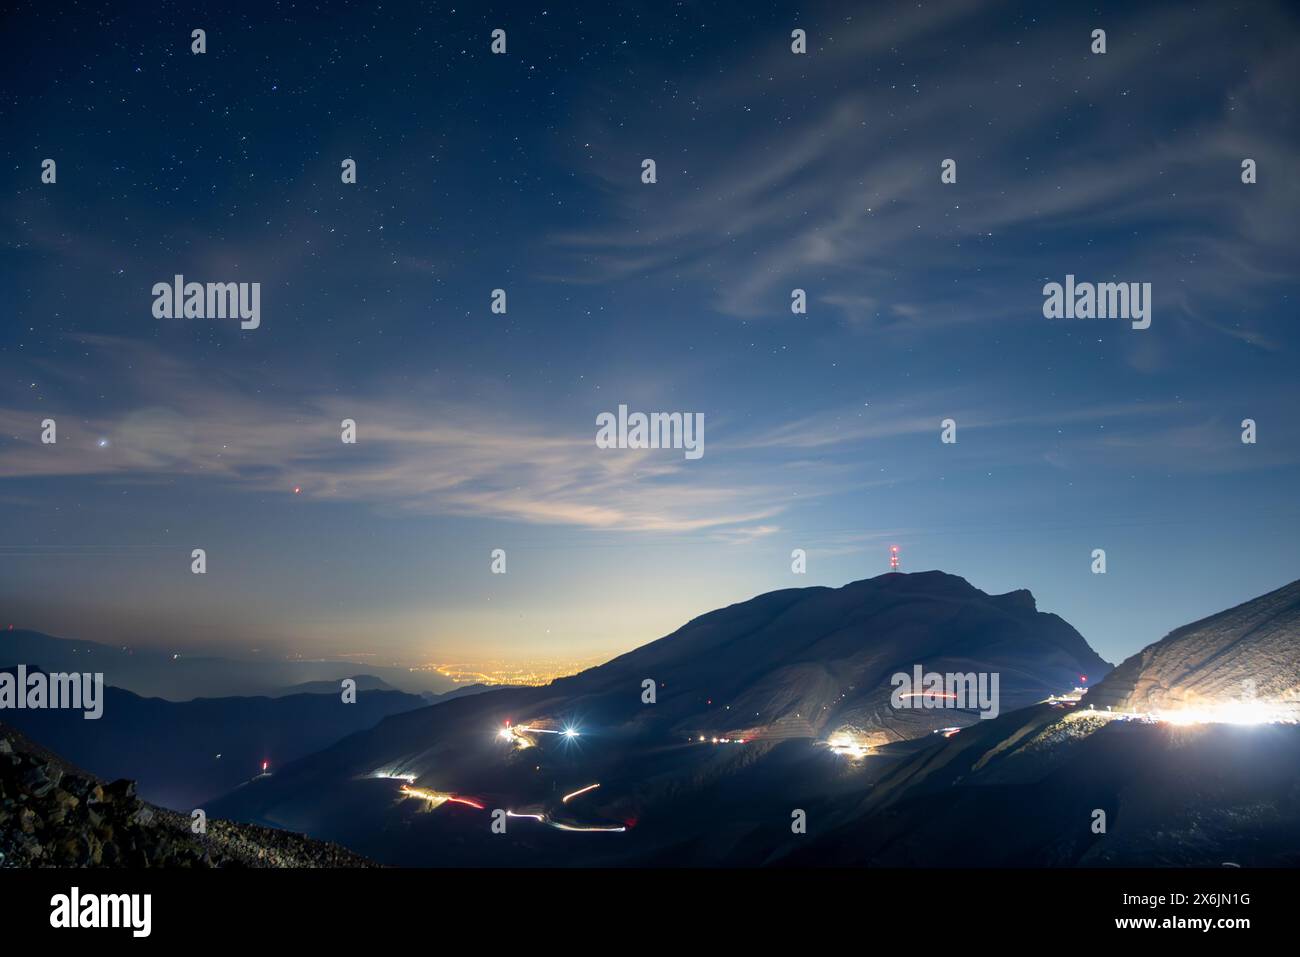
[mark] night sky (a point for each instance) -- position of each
(522, 171)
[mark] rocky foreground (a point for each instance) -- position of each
(55, 815)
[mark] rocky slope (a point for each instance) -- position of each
(52, 814)
(1246, 654)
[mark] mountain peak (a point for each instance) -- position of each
(1021, 598)
(813, 664)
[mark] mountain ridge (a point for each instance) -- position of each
(791, 666)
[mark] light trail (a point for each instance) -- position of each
(437, 798)
(573, 827)
(579, 828)
(461, 800)
(518, 735)
(574, 794)
(566, 732)
(434, 798)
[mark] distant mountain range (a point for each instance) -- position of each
(769, 679)
(363, 683)
(182, 753)
(777, 712)
(183, 677)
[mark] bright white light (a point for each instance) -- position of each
(570, 733)
(1230, 712)
(849, 747)
(1244, 713)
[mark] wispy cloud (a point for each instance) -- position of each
(843, 194)
(432, 454)
(428, 454)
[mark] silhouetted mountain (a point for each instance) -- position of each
(1245, 654)
(777, 673)
(364, 683)
(182, 677)
(465, 690)
(183, 753)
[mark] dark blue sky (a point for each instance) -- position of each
(523, 172)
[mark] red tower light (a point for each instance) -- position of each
(893, 558)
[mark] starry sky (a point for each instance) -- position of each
(522, 171)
